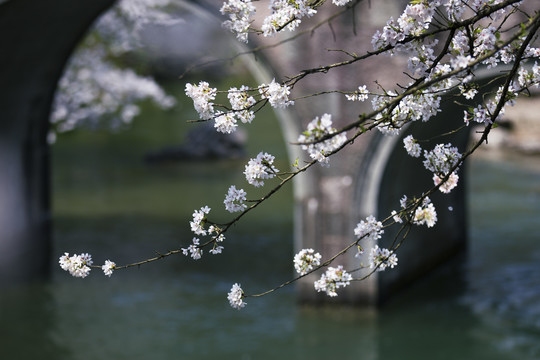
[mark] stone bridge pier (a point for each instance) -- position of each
(36, 39)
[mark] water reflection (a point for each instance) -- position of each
(504, 267)
(28, 320)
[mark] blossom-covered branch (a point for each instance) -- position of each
(479, 33)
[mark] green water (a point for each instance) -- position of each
(108, 202)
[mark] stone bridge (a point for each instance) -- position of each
(370, 177)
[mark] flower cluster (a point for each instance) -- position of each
(361, 94)
(469, 92)
(418, 106)
(454, 9)
(199, 220)
(418, 15)
(240, 102)
(529, 78)
(381, 258)
(444, 84)
(306, 260)
(333, 279)
(123, 26)
(260, 167)
(217, 233)
(467, 45)
(421, 55)
(422, 105)
(441, 159)
(234, 201)
(80, 265)
(277, 95)
(240, 13)
(488, 112)
(202, 95)
(193, 250)
(108, 267)
(371, 229)
(478, 114)
(236, 297)
(76, 265)
(425, 214)
(399, 216)
(318, 129)
(198, 227)
(403, 201)
(94, 90)
(485, 41)
(460, 43)
(415, 20)
(412, 146)
(460, 62)
(286, 14)
(449, 184)
(341, 2)
(216, 249)
(224, 121)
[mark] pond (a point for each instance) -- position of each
(108, 202)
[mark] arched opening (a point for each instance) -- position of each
(124, 193)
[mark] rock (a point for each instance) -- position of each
(203, 143)
(525, 135)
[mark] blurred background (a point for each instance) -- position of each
(125, 183)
